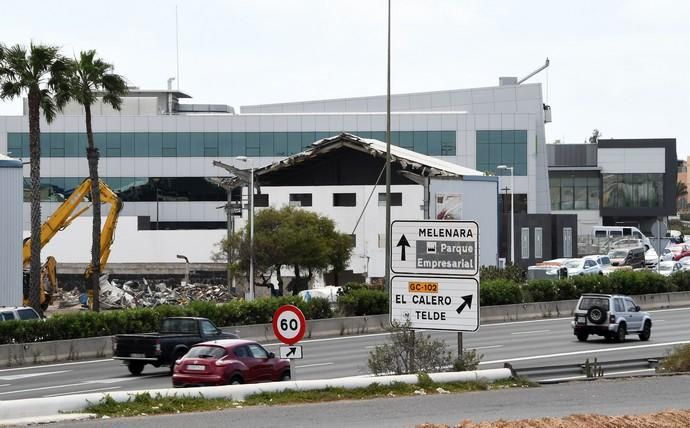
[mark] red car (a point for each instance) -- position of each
(229, 362)
(680, 251)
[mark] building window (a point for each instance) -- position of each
(520, 200)
(537, 243)
(300, 199)
(261, 200)
(633, 191)
(396, 199)
(502, 147)
(567, 242)
(344, 199)
(525, 242)
(213, 144)
(574, 193)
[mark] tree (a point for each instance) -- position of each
(681, 193)
(89, 78)
(39, 72)
(292, 237)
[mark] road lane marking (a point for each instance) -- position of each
(556, 379)
(314, 365)
(41, 366)
(531, 332)
(112, 380)
(43, 388)
(26, 375)
(81, 392)
(588, 351)
(486, 347)
(6, 384)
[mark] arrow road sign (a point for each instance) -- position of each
(467, 302)
(293, 352)
(402, 243)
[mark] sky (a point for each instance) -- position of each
(617, 66)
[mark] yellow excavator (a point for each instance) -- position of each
(59, 220)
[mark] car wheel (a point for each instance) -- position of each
(135, 367)
(596, 315)
(646, 331)
(286, 376)
(236, 380)
(582, 337)
(620, 335)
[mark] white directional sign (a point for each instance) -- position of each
(293, 352)
(435, 247)
(435, 303)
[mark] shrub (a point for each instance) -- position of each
(680, 281)
(541, 290)
(590, 284)
(640, 282)
(677, 361)
(468, 360)
(512, 272)
(499, 292)
(363, 301)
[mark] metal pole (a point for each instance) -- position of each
(293, 375)
(388, 158)
(459, 344)
(251, 235)
(512, 215)
(228, 211)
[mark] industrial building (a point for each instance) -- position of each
(10, 231)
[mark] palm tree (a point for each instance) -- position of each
(89, 78)
(39, 73)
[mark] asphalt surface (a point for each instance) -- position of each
(524, 344)
(609, 397)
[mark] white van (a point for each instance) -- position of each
(620, 232)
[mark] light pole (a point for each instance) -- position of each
(250, 293)
(512, 211)
(186, 267)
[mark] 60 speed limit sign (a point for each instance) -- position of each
(289, 324)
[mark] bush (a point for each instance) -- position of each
(541, 290)
(590, 284)
(511, 272)
(469, 360)
(499, 292)
(640, 282)
(677, 361)
(362, 301)
(680, 281)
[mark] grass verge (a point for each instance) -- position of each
(146, 404)
(677, 361)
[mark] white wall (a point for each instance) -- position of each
(632, 160)
(10, 233)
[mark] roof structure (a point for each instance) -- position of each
(426, 166)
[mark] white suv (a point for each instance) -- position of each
(18, 313)
(610, 315)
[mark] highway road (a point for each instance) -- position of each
(608, 397)
(525, 343)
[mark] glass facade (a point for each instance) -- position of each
(502, 148)
(215, 144)
(135, 189)
(574, 193)
(633, 191)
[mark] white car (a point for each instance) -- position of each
(583, 266)
(603, 261)
(685, 262)
(669, 267)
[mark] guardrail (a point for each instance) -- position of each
(590, 369)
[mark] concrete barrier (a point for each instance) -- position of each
(18, 411)
(101, 347)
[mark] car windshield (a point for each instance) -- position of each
(27, 314)
(206, 352)
(588, 302)
(574, 264)
(618, 254)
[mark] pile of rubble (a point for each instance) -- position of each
(134, 294)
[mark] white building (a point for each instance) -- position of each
(157, 154)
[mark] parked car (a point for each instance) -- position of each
(18, 313)
(583, 266)
(229, 362)
(668, 268)
(675, 236)
(175, 337)
(679, 251)
(611, 316)
(685, 262)
(627, 257)
(548, 269)
(603, 261)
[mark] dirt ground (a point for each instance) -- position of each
(665, 419)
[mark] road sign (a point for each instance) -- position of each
(289, 324)
(293, 352)
(445, 247)
(435, 302)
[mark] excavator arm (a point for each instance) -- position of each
(63, 217)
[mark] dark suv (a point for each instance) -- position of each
(610, 315)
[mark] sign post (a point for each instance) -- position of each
(435, 275)
(289, 326)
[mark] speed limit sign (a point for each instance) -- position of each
(289, 324)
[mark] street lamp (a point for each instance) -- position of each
(250, 294)
(512, 211)
(186, 267)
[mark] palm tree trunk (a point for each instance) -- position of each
(35, 173)
(92, 157)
